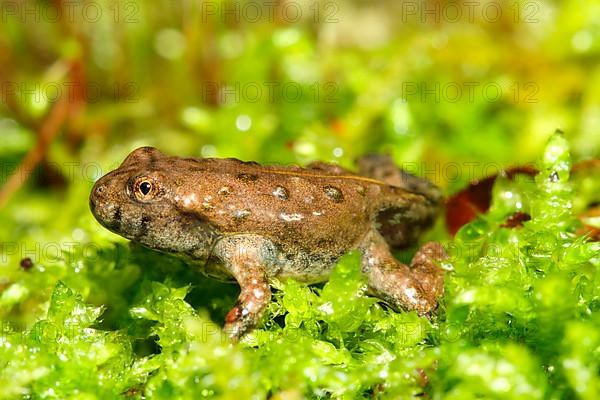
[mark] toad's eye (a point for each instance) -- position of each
(144, 189)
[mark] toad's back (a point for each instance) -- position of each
(313, 214)
(322, 207)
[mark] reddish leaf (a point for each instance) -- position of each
(465, 205)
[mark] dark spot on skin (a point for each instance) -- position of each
(26, 264)
(334, 194)
(244, 177)
(117, 216)
(146, 220)
(281, 193)
(197, 169)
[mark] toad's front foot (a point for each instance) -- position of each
(246, 314)
(245, 257)
(252, 302)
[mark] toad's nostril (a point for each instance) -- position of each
(99, 190)
(96, 195)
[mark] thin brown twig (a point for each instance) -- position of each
(49, 128)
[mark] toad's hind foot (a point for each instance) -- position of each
(417, 287)
(425, 268)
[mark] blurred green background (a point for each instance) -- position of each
(293, 81)
(453, 90)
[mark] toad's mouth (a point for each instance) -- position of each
(108, 216)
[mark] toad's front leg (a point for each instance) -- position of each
(247, 258)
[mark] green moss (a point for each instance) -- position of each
(523, 291)
(62, 355)
(518, 320)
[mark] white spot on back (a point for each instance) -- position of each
(241, 213)
(291, 217)
(189, 200)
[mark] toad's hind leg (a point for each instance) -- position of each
(416, 287)
(401, 219)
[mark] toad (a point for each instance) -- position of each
(253, 223)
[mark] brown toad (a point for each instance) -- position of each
(253, 223)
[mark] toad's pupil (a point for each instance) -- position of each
(145, 188)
